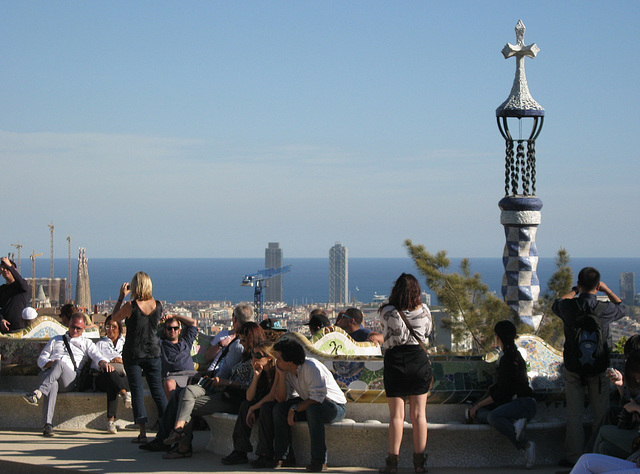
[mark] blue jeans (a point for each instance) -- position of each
(316, 415)
(503, 416)
(152, 370)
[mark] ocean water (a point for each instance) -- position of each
(202, 279)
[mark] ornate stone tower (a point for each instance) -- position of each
(83, 290)
(520, 207)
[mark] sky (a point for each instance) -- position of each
(208, 129)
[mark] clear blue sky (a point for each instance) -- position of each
(208, 129)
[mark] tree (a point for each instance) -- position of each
(473, 309)
(560, 283)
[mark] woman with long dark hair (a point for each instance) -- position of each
(407, 367)
(499, 408)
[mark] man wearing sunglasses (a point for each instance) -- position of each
(351, 320)
(61, 362)
(13, 297)
(177, 364)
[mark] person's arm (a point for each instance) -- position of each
(186, 320)
(488, 400)
(253, 386)
(17, 277)
(376, 338)
(124, 291)
(281, 385)
(610, 294)
(123, 313)
(45, 356)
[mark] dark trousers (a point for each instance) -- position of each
(112, 383)
(242, 431)
(151, 368)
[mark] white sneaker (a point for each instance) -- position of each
(127, 399)
(530, 454)
(520, 424)
(112, 427)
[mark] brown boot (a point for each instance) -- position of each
(419, 461)
(391, 464)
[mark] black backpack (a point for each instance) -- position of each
(587, 352)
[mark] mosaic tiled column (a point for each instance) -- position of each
(520, 217)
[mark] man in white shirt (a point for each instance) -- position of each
(60, 370)
(305, 390)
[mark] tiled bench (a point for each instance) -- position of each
(450, 444)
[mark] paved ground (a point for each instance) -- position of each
(27, 451)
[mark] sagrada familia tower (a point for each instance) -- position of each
(83, 290)
(520, 207)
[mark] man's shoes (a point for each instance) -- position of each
(31, 398)
(236, 457)
(111, 429)
(177, 454)
(519, 425)
(47, 430)
(263, 462)
(155, 446)
(565, 463)
(317, 466)
(175, 437)
(530, 454)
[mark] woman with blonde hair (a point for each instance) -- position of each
(141, 353)
(406, 324)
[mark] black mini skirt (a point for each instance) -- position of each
(407, 371)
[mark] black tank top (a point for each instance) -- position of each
(142, 334)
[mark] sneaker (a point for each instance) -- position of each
(47, 430)
(236, 457)
(31, 398)
(317, 466)
(530, 454)
(111, 429)
(519, 425)
(127, 399)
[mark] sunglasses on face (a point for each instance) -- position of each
(111, 327)
(76, 328)
(258, 355)
(172, 328)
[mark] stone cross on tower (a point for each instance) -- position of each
(520, 208)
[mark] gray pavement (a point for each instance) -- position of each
(27, 451)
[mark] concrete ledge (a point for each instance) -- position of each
(364, 443)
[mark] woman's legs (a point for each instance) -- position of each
(396, 423)
(418, 413)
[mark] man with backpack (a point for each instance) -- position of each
(586, 353)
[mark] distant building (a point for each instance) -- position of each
(628, 287)
(83, 289)
(58, 287)
(338, 274)
(273, 286)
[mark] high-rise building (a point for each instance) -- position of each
(628, 287)
(338, 274)
(273, 258)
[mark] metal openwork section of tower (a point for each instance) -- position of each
(520, 207)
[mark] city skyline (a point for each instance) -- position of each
(152, 130)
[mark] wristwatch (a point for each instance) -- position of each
(293, 407)
(575, 290)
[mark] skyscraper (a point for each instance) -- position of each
(273, 258)
(338, 274)
(628, 287)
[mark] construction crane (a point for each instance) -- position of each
(68, 288)
(33, 277)
(51, 269)
(256, 280)
(18, 246)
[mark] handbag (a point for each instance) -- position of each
(84, 379)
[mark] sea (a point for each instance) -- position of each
(218, 279)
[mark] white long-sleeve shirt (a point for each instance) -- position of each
(82, 347)
(108, 349)
(315, 381)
